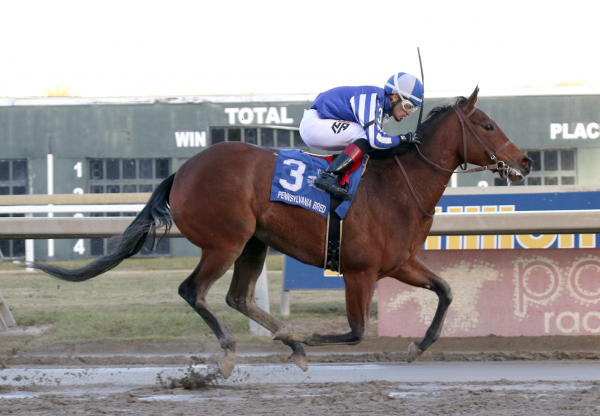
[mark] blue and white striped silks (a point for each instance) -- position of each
(293, 182)
(360, 105)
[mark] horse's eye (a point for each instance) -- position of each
(489, 127)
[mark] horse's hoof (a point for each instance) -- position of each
(300, 360)
(414, 352)
(227, 364)
(286, 333)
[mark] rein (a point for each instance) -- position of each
(501, 167)
(412, 189)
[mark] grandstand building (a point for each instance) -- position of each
(123, 145)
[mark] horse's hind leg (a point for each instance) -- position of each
(241, 294)
(194, 289)
(415, 273)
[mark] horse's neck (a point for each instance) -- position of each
(441, 148)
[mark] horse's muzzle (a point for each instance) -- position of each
(527, 164)
(517, 174)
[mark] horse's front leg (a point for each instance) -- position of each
(415, 273)
(359, 293)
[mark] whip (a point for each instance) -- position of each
(423, 82)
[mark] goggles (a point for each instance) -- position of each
(407, 105)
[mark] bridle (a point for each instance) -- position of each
(503, 169)
(499, 166)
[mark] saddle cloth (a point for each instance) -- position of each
(294, 176)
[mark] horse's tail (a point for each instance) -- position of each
(155, 214)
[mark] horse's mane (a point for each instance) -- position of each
(430, 120)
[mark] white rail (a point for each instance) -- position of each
(43, 209)
(476, 223)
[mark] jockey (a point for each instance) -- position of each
(351, 119)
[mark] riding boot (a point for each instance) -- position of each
(329, 181)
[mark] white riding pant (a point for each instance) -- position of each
(327, 134)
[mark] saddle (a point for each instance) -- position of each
(294, 173)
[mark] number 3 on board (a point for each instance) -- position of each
(295, 173)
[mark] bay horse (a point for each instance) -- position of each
(219, 200)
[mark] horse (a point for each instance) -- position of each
(219, 200)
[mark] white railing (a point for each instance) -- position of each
(43, 209)
(465, 223)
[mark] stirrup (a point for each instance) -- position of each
(328, 182)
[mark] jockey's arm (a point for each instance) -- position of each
(369, 115)
(378, 139)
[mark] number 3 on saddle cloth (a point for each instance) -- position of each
(293, 183)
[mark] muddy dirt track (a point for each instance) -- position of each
(201, 391)
(376, 398)
(500, 376)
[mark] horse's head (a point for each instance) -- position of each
(484, 142)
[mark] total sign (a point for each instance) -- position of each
(574, 131)
(259, 115)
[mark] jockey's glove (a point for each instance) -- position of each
(410, 138)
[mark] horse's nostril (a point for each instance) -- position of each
(526, 163)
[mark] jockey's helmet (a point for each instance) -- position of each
(407, 86)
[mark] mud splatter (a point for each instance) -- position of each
(192, 380)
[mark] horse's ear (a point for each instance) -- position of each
(472, 100)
